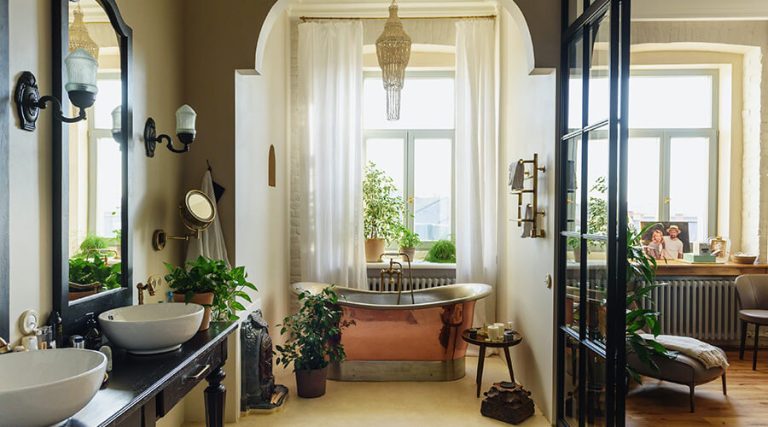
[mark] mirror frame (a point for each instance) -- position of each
(5, 118)
(74, 314)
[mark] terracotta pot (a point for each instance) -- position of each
(411, 252)
(373, 249)
(204, 299)
(311, 383)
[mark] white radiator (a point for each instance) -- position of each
(701, 308)
(374, 283)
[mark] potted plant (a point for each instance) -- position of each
(89, 273)
(213, 285)
(314, 340)
(382, 211)
(408, 242)
(442, 251)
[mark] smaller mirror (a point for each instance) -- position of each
(197, 213)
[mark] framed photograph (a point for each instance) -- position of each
(666, 239)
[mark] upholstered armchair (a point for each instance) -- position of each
(752, 290)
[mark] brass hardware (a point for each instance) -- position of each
(150, 287)
(198, 375)
(533, 175)
(396, 270)
(667, 200)
(197, 213)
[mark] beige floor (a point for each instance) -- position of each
(390, 404)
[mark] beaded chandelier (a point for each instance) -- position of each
(393, 47)
(79, 37)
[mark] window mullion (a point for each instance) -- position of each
(410, 178)
(666, 170)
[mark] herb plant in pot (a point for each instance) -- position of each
(314, 340)
(382, 211)
(211, 284)
(408, 242)
(442, 251)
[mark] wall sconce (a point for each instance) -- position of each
(185, 130)
(81, 89)
(117, 123)
(517, 185)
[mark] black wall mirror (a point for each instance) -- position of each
(91, 164)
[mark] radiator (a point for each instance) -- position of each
(702, 308)
(374, 283)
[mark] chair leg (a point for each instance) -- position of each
(744, 326)
(725, 388)
(757, 341)
(693, 407)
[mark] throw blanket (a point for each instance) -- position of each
(709, 355)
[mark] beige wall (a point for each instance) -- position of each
(156, 182)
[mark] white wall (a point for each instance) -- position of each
(527, 126)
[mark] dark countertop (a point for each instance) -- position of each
(135, 380)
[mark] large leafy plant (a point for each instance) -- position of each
(314, 332)
(91, 268)
(383, 208)
(641, 317)
(208, 275)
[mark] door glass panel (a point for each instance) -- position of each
(433, 188)
(599, 87)
(575, 8)
(597, 282)
(571, 382)
(572, 290)
(596, 396)
(597, 184)
(575, 82)
(573, 176)
(689, 185)
(643, 177)
(388, 154)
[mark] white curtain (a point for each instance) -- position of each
(330, 164)
(211, 242)
(476, 159)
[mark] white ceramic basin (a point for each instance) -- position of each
(151, 328)
(41, 388)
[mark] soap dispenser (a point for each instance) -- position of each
(92, 333)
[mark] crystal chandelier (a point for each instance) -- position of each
(393, 47)
(79, 37)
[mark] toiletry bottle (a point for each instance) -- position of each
(77, 341)
(57, 330)
(92, 333)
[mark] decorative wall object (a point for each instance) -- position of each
(272, 166)
(517, 177)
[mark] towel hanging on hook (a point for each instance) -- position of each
(218, 189)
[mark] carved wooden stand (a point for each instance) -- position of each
(508, 402)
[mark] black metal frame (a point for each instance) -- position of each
(616, 244)
(73, 314)
(5, 118)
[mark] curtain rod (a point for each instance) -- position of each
(342, 18)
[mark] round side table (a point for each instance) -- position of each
(482, 342)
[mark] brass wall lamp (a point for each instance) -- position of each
(81, 89)
(185, 131)
(518, 176)
(197, 213)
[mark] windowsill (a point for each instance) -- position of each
(416, 265)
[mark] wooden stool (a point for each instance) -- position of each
(482, 342)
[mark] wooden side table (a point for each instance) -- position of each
(483, 343)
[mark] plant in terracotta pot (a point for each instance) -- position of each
(314, 340)
(212, 284)
(383, 209)
(408, 242)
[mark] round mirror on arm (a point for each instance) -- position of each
(197, 213)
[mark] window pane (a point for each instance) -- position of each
(426, 103)
(573, 197)
(110, 96)
(670, 101)
(599, 89)
(433, 188)
(573, 288)
(575, 82)
(571, 382)
(689, 185)
(108, 187)
(388, 155)
(575, 8)
(644, 177)
(596, 393)
(595, 309)
(597, 185)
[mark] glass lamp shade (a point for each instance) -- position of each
(117, 119)
(81, 72)
(185, 120)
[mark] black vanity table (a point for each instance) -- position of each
(143, 389)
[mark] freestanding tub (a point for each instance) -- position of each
(412, 341)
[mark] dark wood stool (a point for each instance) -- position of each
(482, 342)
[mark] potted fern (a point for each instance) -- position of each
(212, 284)
(442, 251)
(382, 211)
(408, 242)
(314, 340)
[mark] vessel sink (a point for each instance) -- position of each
(151, 328)
(46, 387)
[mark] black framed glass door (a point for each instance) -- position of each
(592, 214)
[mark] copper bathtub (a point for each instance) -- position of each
(416, 340)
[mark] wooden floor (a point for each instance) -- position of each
(662, 404)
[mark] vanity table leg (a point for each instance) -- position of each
(215, 396)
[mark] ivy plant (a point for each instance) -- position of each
(383, 207)
(87, 269)
(204, 275)
(314, 332)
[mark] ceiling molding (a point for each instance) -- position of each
(379, 9)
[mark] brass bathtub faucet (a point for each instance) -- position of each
(396, 270)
